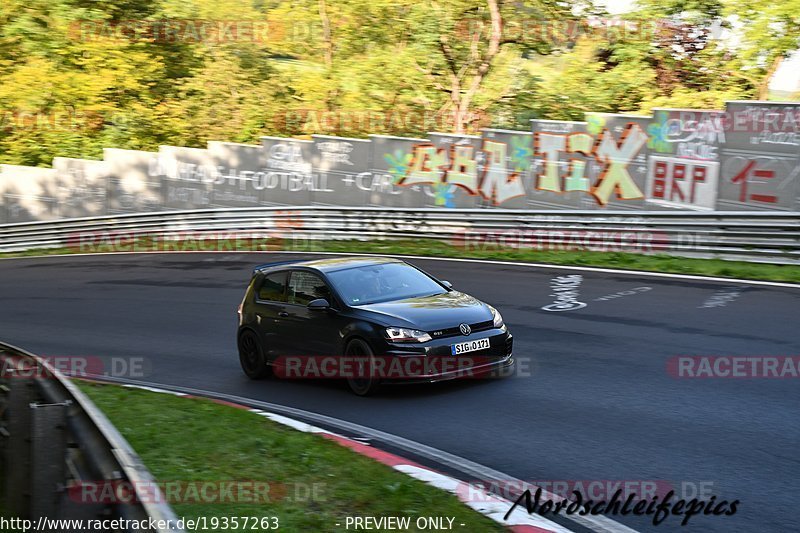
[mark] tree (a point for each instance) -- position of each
(769, 32)
(65, 88)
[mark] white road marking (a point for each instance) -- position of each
(566, 292)
(622, 294)
(723, 297)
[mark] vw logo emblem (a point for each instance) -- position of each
(465, 329)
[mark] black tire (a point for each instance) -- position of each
(251, 356)
(362, 386)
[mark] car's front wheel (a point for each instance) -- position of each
(367, 383)
(251, 356)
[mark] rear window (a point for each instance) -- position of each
(273, 287)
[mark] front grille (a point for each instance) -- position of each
(509, 345)
(452, 332)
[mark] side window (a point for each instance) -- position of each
(305, 286)
(273, 287)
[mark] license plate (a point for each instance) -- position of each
(469, 346)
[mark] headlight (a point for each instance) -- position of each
(497, 318)
(406, 335)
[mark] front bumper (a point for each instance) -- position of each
(438, 363)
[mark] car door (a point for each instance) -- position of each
(311, 332)
(271, 314)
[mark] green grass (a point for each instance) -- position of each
(182, 439)
(622, 260)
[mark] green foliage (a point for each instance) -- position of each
(75, 81)
(577, 82)
(769, 29)
(683, 98)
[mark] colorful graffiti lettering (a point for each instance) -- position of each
(688, 134)
(433, 165)
(615, 156)
(497, 184)
(428, 164)
(463, 171)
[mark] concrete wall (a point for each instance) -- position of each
(746, 157)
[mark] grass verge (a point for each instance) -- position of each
(198, 440)
(621, 260)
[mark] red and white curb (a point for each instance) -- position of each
(489, 505)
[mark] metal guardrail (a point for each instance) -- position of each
(746, 236)
(55, 441)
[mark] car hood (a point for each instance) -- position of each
(430, 313)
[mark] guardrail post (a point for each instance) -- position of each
(48, 457)
(17, 458)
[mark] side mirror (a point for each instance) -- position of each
(320, 304)
(446, 283)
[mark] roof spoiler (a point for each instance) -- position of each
(258, 268)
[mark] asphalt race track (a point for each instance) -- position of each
(598, 404)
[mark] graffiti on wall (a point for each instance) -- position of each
(760, 160)
(484, 171)
(683, 170)
(339, 164)
(390, 162)
(745, 157)
(614, 155)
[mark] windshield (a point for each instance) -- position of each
(382, 283)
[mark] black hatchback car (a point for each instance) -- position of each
(369, 320)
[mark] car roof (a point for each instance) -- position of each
(333, 264)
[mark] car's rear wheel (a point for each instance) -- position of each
(251, 356)
(368, 384)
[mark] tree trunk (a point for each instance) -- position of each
(462, 103)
